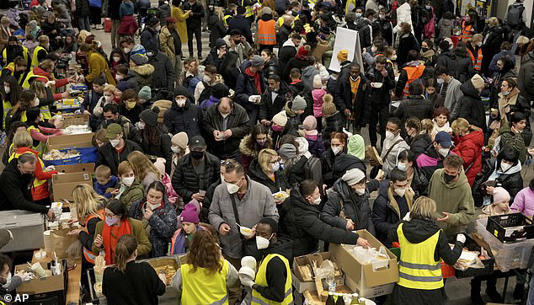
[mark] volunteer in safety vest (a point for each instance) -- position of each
(266, 35)
(412, 71)
(272, 284)
(474, 48)
(468, 26)
(14, 50)
(18, 112)
(90, 210)
(22, 143)
(206, 277)
(41, 51)
(18, 69)
(423, 247)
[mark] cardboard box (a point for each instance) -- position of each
(297, 278)
(75, 119)
(42, 285)
(70, 141)
(361, 277)
(62, 185)
(76, 168)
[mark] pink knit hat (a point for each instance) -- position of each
(309, 123)
(500, 195)
(190, 214)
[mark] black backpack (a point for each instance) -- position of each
(514, 16)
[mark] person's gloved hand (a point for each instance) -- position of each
(460, 238)
(256, 99)
(247, 282)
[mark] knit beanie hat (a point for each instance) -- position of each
(303, 52)
(356, 146)
(280, 119)
(257, 61)
(287, 151)
(521, 40)
(189, 214)
(353, 176)
(478, 82)
(150, 116)
(343, 55)
(138, 49)
(304, 146)
(145, 93)
(328, 105)
(180, 139)
(139, 59)
(309, 123)
(220, 90)
(500, 195)
(317, 82)
(299, 103)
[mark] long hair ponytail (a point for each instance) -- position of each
(123, 251)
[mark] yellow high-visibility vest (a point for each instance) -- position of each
(35, 61)
(261, 279)
(204, 287)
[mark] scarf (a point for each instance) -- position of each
(354, 84)
(257, 79)
(111, 235)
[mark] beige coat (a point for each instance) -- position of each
(178, 14)
(166, 42)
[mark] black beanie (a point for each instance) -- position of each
(150, 116)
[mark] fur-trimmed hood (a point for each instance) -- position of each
(143, 70)
(245, 150)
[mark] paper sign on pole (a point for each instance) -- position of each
(346, 40)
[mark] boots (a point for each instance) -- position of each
(491, 291)
(476, 298)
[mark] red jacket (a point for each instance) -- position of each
(48, 77)
(469, 148)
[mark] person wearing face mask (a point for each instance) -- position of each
(196, 171)
(179, 149)
(406, 162)
(470, 106)
(450, 189)
(129, 106)
(156, 210)
(350, 94)
(113, 227)
(92, 96)
(204, 88)
(348, 202)
(392, 144)
(239, 202)
(514, 134)
(448, 88)
(266, 170)
(304, 225)
(273, 99)
(111, 115)
(150, 35)
(9, 283)
(469, 142)
(107, 97)
(474, 48)
(141, 69)
(338, 142)
(434, 155)
(116, 58)
(183, 115)
(154, 140)
(394, 201)
(117, 149)
(130, 189)
(253, 143)
(506, 172)
(417, 138)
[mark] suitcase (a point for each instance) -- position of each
(107, 25)
(27, 228)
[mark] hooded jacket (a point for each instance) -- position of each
(303, 224)
(454, 198)
(419, 143)
(142, 74)
(343, 199)
(280, 181)
(414, 106)
(470, 107)
(247, 154)
(187, 118)
(469, 148)
(511, 180)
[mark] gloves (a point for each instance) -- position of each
(247, 282)
(407, 217)
(460, 238)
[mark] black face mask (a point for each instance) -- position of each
(197, 155)
(448, 178)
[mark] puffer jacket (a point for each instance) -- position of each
(280, 181)
(163, 224)
(187, 182)
(333, 123)
(131, 194)
(469, 148)
(462, 68)
(303, 224)
(419, 143)
(343, 199)
(245, 87)
(143, 74)
(164, 75)
(187, 118)
(429, 161)
(470, 106)
(414, 106)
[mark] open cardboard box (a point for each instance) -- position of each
(42, 285)
(76, 168)
(62, 185)
(70, 141)
(75, 119)
(299, 280)
(361, 277)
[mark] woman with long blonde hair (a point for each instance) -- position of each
(145, 171)
(206, 277)
(131, 282)
(89, 208)
(267, 171)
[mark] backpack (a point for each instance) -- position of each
(514, 16)
(311, 164)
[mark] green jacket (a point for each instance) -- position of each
(514, 140)
(143, 247)
(454, 198)
(132, 194)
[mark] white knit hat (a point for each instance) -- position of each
(280, 118)
(353, 176)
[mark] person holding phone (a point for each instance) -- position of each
(156, 211)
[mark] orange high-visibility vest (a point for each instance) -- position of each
(467, 31)
(88, 254)
(266, 33)
(413, 74)
(477, 62)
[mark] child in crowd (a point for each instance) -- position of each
(441, 121)
(130, 189)
(166, 180)
(500, 205)
(189, 221)
(315, 141)
(317, 94)
(524, 200)
(105, 183)
(92, 96)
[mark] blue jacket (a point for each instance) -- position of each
(101, 189)
(126, 9)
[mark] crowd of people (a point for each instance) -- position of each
(250, 155)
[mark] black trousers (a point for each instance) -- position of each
(378, 120)
(95, 15)
(197, 31)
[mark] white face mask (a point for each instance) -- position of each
(276, 167)
(232, 187)
(360, 191)
(225, 115)
(128, 181)
(7, 89)
(394, 57)
(108, 98)
(479, 44)
(505, 166)
(316, 201)
(444, 151)
(141, 125)
(158, 28)
(390, 135)
(126, 50)
(176, 149)
(8, 281)
(262, 242)
(373, 49)
(400, 191)
(153, 206)
(336, 149)
(114, 142)
(222, 179)
(440, 81)
(36, 102)
(206, 78)
(116, 58)
(119, 77)
(401, 166)
(180, 102)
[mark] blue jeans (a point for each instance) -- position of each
(84, 24)
(530, 299)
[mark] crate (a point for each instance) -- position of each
(489, 263)
(500, 226)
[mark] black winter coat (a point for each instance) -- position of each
(419, 143)
(333, 123)
(414, 106)
(164, 75)
(195, 20)
(150, 40)
(446, 59)
(407, 42)
(343, 198)
(241, 23)
(280, 180)
(284, 55)
(462, 68)
(344, 98)
(82, 8)
(238, 122)
(15, 190)
(304, 226)
(327, 165)
(245, 87)
(268, 107)
(187, 182)
(294, 62)
(107, 155)
(471, 107)
(163, 150)
(186, 119)
(493, 37)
